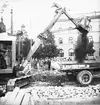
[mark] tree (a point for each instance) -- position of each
(46, 51)
(48, 48)
(90, 49)
(25, 47)
(50, 39)
(2, 26)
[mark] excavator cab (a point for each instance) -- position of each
(7, 53)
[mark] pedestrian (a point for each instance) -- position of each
(35, 61)
(49, 63)
(41, 64)
(45, 64)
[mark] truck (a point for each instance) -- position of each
(83, 71)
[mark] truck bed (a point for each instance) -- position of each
(74, 65)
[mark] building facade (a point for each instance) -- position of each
(66, 37)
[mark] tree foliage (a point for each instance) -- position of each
(90, 49)
(48, 48)
(24, 47)
(46, 51)
(2, 26)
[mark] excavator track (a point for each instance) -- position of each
(8, 82)
(18, 82)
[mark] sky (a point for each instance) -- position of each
(37, 14)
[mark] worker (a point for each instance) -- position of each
(3, 64)
(7, 59)
(49, 63)
(34, 63)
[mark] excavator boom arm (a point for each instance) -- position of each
(43, 35)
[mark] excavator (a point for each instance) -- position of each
(24, 71)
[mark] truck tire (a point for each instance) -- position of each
(84, 77)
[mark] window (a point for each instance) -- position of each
(90, 38)
(60, 40)
(91, 54)
(71, 52)
(61, 53)
(70, 40)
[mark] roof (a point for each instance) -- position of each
(6, 37)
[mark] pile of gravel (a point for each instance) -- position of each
(68, 92)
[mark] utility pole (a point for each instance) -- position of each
(11, 21)
(19, 38)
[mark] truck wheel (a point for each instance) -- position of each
(84, 77)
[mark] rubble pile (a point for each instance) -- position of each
(39, 76)
(69, 92)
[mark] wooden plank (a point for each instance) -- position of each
(10, 97)
(37, 102)
(57, 103)
(26, 99)
(50, 102)
(31, 100)
(3, 99)
(34, 94)
(18, 100)
(44, 102)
